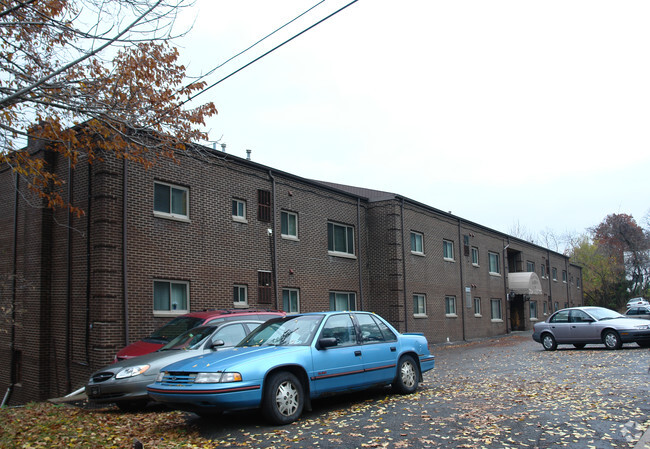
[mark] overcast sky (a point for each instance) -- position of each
(507, 113)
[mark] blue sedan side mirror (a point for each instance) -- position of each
(327, 342)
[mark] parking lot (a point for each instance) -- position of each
(498, 393)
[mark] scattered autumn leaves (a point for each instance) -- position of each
(502, 394)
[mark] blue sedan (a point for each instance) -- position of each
(286, 362)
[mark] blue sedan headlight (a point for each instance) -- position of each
(213, 378)
(132, 371)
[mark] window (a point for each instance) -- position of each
(477, 306)
(448, 250)
(342, 301)
(239, 210)
(545, 308)
(543, 271)
(475, 256)
(342, 328)
(290, 300)
(170, 201)
(495, 307)
(530, 266)
(289, 225)
(240, 296)
(373, 330)
(264, 205)
(419, 305)
(231, 334)
(564, 277)
(417, 243)
(533, 310)
(494, 266)
(578, 282)
(340, 239)
(554, 273)
(264, 287)
(450, 305)
(170, 296)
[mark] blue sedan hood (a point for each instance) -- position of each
(229, 358)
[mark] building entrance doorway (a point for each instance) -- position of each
(517, 317)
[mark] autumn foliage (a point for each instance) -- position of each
(81, 78)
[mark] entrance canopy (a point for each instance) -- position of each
(524, 284)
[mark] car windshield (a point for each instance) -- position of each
(174, 328)
(603, 314)
(288, 331)
(191, 339)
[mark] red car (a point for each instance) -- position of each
(188, 321)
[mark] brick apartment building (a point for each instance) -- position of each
(218, 231)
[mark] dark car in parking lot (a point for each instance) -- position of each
(125, 382)
(182, 323)
(580, 326)
(642, 312)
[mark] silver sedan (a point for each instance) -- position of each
(125, 383)
(581, 326)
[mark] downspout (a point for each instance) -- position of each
(14, 275)
(359, 260)
(568, 290)
(506, 269)
(463, 293)
(548, 278)
(68, 332)
(274, 237)
(88, 260)
(125, 287)
(406, 325)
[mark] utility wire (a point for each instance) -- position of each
(267, 53)
(259, 41)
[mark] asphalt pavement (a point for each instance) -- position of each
(504, 392)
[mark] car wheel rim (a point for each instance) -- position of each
(287, 398)
(610, 340)
(548, 342)
(408, 375)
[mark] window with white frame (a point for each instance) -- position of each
(545, 306)
(533, 310)
(419, 305)
(554, 273)
(170, 297)
(340, 239)
(291, 300)
(564, 276)
(495, 308)
(477, 306)
(240, 296)
(448, 250)
(450, 305)
(342, 300)
(417, 243)
(494, 264)
(170, 201)
(543, 271)
(289, 224)
(475, 256)
(239, 210)
(530, 266)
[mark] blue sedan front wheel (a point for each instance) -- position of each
(283, 398)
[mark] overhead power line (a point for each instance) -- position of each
(268, 52)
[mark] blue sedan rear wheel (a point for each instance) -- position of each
(283, 398)
(408, 376)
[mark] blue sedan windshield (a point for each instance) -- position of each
(288, 331)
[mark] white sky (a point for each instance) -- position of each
(528, 113)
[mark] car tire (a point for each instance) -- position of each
(612, 340)
(548, 342)
(579, 345)
(408, 376)
(283, 399)
(132, 406)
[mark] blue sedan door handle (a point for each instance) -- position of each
(393, 349)
(357, 353)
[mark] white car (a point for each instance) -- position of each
(637, 302)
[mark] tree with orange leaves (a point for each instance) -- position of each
(89, 77)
